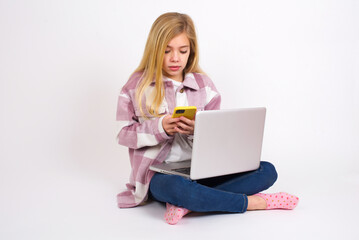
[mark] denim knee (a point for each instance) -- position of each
(271, 173)
(169, 188)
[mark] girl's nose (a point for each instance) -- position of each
(174, 57)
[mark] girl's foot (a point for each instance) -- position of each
(174, 214)
(280, 200)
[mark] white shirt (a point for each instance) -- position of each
(182, 146)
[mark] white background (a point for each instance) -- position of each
(63, 63)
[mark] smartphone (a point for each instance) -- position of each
(188, 112)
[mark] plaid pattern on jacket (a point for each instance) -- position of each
(146, 139)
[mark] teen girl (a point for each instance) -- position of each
(169, 76)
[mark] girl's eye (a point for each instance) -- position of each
(168, 51)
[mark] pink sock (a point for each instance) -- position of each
(174, 214)
(280, 200)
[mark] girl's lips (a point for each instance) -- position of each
(174, 68)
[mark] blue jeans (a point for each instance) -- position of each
(219, 194)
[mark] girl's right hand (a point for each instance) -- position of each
(169, 124)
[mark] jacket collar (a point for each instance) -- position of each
(189, 81)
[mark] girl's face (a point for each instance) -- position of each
(176, 57)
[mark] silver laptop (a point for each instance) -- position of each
(225, 142)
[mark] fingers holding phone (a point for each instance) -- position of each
(185, 126)
(169, 124)
(186, 116)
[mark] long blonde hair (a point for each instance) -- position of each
(164, 29)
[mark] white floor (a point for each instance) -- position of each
(57, 203)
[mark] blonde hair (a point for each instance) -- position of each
(164, 29)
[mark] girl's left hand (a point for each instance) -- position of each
(185, 126)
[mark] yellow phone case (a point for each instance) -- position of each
(188, 112)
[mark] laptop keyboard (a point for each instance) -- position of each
(185, 170)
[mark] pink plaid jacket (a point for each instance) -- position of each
(146, 139)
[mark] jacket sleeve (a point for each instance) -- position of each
(134, 134)
(214, 103)
(213, 99)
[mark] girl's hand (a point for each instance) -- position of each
(169, 124)
(185, 126)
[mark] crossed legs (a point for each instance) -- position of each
(224, 194)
